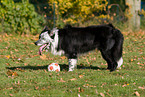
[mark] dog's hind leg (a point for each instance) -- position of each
(107, 55)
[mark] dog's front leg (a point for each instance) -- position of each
(72, 64)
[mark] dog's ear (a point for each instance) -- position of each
(68, 26)
(45, 28)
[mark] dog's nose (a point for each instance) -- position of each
(35, 43)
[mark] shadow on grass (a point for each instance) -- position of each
(62, 66)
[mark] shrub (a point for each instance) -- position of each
(19, 17)
(78, 11)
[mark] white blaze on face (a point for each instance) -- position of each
(46, 37)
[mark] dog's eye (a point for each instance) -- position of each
(43, 38)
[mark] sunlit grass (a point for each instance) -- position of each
(24, 73)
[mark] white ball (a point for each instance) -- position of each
(54, 67)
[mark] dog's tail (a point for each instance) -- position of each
(118, 47)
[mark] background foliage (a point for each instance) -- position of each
(78, 11)
(24, 16)
(19, 17)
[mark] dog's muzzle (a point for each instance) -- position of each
(42, 47)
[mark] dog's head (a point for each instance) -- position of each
(45, 38)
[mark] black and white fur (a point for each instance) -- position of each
(73, 41)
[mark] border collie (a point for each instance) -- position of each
(73, 41)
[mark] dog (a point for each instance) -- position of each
(73, 41)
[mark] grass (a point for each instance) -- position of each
(24, 73)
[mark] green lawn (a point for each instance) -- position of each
(24, 73)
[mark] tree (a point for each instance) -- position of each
(134, 7)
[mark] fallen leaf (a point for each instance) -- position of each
(131, 60)
(80, 76)
(102, 94)
(91, 86)
(137, 94)
(25, 64)
(63, 57)
(43, 57)
(8, 64)
(79, 95)
(108, 94)
(73, 79)
(14, 74)
(141, 87)
(9, 72)
(61, 80)
(96, 91)
(10, 88)
(36, 87)
(18, 82)
(7, 56)
(127, 84)
(87, 85)
(87, 61)
(80, 89)
(16, 50)
(124, 85)
(11, 94)
(103, 84)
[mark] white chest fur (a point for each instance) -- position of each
(54, 45)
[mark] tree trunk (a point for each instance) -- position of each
(134, 22)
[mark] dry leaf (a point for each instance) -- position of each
(43, 57)
(36, 87)
(16, 50)
(9, 73)
(137, 94)
(61, 80)
(25, 64)
(141, 87)
(124, 85)
(131, 60)
(73, 79)
(79, 95)
(80, 89)
(11, 94)
(63, 57)
(96, 91)
(91, 86)
(10, 88)
(7, 56)
(87, 85)
(80, 76)
(108, 94)
(15, 74)
(8, 64)
(102, 94)
(18, 83)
